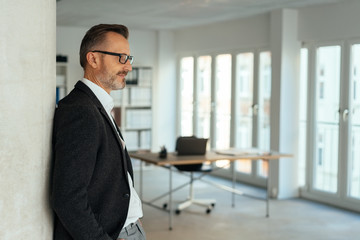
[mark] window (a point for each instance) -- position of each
(354, 152)
(208, 103)
(333, 126)
(243, 102)
(327, 118)
(187, 100)
(223, 101)
(264, 107)
(222, 104)
(203, 96)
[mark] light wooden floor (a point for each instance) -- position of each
(289, 219)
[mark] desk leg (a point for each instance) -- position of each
(233, 183)
(267, 190)
(170, 199)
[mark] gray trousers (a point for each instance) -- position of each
(133, 231)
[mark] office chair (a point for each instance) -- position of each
(192, 168)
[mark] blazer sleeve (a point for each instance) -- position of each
(76, 140)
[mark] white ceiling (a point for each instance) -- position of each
(166, 14)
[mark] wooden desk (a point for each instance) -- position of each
(173, 159)
(231, 155)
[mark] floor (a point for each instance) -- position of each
(289, 219)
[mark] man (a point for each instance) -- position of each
(92, 191)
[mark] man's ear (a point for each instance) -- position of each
(92, 59)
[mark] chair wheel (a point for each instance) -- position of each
(177, 211)
(164, 205)
(208, 211)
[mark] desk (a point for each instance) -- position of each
(231, 155)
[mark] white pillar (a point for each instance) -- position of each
(285, 50)
(164, 112)
(27, 99)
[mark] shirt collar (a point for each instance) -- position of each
(104, 98)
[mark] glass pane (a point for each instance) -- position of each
(302, 115)
(187, 89)
(244, 101)
(264, 107)
(204, 96)
(327, 118)
(354, 168)
(223, 102)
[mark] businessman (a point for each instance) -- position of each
(92, 185)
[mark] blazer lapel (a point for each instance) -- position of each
(98, 104)
(117, 134)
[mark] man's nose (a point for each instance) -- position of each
(128, 66)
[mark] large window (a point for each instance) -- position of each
(225, 103)
(327, 118)
(331, 171)
(228, 100)
(264, 107)
(222, 101)
(244, 102)
(354, 120)
(203, 96)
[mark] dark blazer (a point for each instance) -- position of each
(90, 189)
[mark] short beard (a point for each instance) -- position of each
(114, 85)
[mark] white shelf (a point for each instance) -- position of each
(61, 80)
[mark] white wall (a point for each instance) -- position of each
(237, 34)
(27, 101)
(329, 22)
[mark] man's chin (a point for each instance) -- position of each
(120, 86)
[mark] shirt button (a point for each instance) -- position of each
(126, 195)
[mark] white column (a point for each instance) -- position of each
(27, 99)
(164, 84)
(285, 50)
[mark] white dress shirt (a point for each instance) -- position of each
(135, 207)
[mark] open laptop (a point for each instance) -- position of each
(191, 146)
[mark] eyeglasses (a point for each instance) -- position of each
(123, 58)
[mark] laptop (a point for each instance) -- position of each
(191, 146)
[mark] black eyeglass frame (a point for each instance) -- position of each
(130, 58)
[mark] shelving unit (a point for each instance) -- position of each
(132, 111)
(61, 80)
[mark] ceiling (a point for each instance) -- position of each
(166, 14)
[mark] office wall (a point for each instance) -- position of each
(326, 22)
(236, 34)
(27, 100)
(329, 22)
